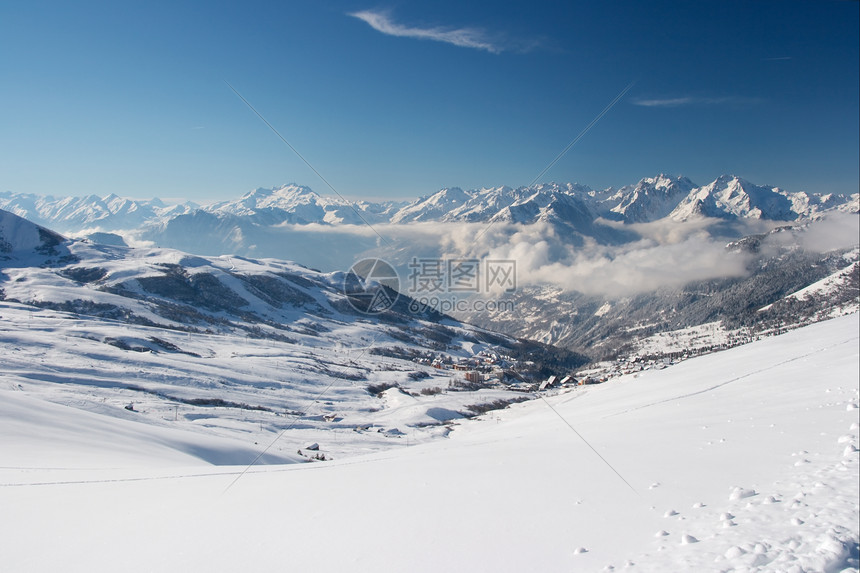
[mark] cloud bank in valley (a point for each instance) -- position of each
(663, 257)
(667, 254)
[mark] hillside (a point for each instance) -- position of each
(242, 349)
(746, 459)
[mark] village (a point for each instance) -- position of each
(491, 369)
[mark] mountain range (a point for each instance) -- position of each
(572, 205)
(597, 268)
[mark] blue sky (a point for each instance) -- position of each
(394, 100)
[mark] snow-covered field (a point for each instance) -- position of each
(188, 390)
(741, 460)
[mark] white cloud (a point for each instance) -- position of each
(671, 102)
(682, 256)
(697, 101)
(667, 255)
(463, 37)
(836, 231)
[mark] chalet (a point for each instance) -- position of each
(549, 382)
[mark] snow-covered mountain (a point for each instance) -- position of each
(572, 205)
(171, 289)
(732, 197)
(110, 213)
(569, 220)
(649, 200)
(301, 205)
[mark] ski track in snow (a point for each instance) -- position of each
(736, 379)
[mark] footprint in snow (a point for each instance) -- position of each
(845, 438)
(687, 539)
(850, 450)
(661, 533)
(580, 550)
(770, 499)
(741, 493)
(670, 513)
(698, 505)
(726, 516)
(654, 485)
(796, 521)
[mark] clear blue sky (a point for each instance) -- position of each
(399, 99)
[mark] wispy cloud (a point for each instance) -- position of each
(697, 101)
(463, 37)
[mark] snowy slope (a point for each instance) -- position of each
(742, 460)
(215, 398)
(232, 347)
(18, 235)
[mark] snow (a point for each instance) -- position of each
(688, 339)
(606, 307)
(17, 234)
(310, 390)
(710, 449)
